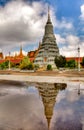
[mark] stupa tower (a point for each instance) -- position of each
(48, 49)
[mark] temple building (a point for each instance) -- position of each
(48, 48)
(74, 58)
(20, 55)
(1, 58)
(17, 58)
(32, 54)
(1, 55)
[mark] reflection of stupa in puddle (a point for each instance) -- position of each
(49, 93)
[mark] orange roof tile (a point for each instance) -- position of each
(74, 58)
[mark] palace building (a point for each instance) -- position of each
(16, 59)
(19, 56)
(1, 55)
(48, 48)
(32, 54)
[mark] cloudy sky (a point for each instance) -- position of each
(22, 23)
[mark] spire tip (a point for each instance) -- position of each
(49, 20)
(48, 10)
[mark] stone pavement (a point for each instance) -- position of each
(46, 79)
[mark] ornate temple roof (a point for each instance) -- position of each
(1, 55)
(21, 55)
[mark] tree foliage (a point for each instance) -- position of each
(49, 67)
(60, 61)
(4, 65)
(82, 63)
(26, 64)
(30, 66)
(36, 66)
(71, 64)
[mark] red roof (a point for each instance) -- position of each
(15, 61)
(12, 60)
(32, 59)
(74, 58)
(1, 61)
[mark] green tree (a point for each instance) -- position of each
(4, 65)
(24, 63)
(71, 64)
(30, 66)
(60, 61)
(36, 66)
(49, 67)
(82, 63)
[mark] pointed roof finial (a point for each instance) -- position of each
(20, 49)
(48, 10)
(49, 20)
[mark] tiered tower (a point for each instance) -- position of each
(48, 48)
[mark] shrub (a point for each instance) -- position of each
(49, 67)
(60, 61)
(30, 66)
(71, 64)
(24, 64)
(36, 66)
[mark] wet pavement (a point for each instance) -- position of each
(41, 106)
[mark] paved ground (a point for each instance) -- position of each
(67, 73)
(46, 76)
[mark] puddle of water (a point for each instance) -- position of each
(41, 106)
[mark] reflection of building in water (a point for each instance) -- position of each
(48, 93)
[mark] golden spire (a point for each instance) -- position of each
(20, 49)
(21, 53)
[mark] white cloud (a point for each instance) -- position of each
(22, 22)
(68, 51)
(69, 45)
(21, 105)
(17, 52)
(72, 40)
(69, 39)
(82, 12)
(62, 24)
(60, 39)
